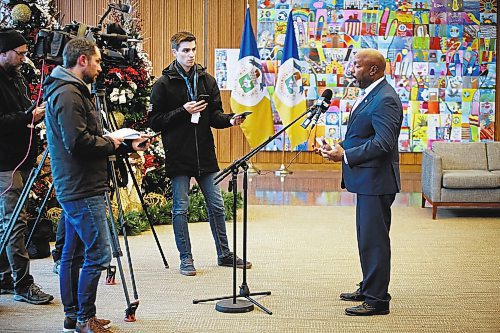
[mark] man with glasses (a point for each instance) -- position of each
(18, 151)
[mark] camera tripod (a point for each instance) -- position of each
(116, 250)
(101, 107)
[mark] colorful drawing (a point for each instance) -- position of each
(441, 58)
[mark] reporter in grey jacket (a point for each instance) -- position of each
(79, 153)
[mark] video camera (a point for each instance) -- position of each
(116, 46)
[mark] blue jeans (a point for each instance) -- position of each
(87, 233)
(14, 261)
(215, 208)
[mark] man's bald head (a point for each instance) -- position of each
(373, 58)
(369, 66)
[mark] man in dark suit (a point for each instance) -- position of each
(370, 168)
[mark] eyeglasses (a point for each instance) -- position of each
(21, 53)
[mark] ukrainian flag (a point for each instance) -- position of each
(288, 95)
(250, 93)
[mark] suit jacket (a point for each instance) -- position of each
(371, 143)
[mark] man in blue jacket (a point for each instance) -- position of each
(79, 160)
(370, 168)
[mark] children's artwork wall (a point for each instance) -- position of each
(441, 59)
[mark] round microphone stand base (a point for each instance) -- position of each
(283, 171)
(228, 306)
(252, 169)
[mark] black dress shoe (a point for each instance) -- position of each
(355, 296)
(365, 309)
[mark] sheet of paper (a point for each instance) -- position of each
(126, 133)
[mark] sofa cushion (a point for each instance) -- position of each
(467, 179)
(493, 153)
(490, 195)
(462, 155)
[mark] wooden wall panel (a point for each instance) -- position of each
(219, 27)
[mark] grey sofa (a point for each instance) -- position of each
(461, 174)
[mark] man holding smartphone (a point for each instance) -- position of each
(186, 105)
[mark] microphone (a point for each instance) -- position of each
(319, 107)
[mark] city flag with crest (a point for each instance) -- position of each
(250, 93)
(289, 92)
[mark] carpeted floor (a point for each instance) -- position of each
(445, 277)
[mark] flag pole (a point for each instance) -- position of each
(252, 169)
(283, 170)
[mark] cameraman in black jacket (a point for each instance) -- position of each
(18, 150)
(185, 119)
(79, 156)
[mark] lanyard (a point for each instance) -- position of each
(191, 91)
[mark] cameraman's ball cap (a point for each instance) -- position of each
(10, 39)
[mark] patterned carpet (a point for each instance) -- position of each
(445, 277)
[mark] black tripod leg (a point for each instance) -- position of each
(40, 212)
(21, 201)
(15, 213)
(145, 209)
(125, 239)
(258, 304)
(117, 253)
(196, 301)
(263, 293)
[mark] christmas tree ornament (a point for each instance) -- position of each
(119, 117)
(21, 13)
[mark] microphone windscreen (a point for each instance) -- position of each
(327, 94)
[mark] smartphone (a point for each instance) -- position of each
(143, 143)
(243, 114)
(205, 98)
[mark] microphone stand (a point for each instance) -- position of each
(230, 304)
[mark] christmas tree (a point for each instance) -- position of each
(127, 79)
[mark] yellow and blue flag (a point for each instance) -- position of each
(288, 95)
(250, 92)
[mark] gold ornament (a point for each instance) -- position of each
(119, 117)
(155, 199)
(21, 13)
(54, 213)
